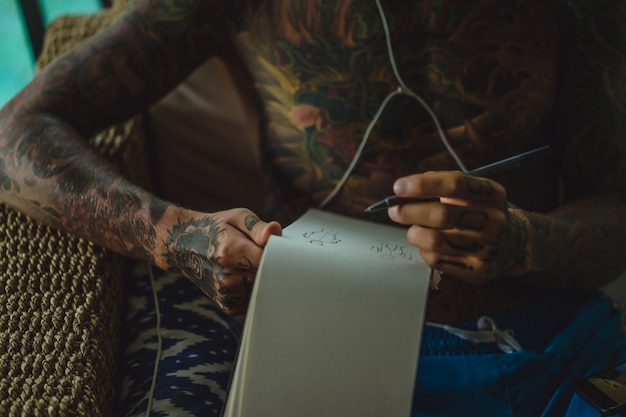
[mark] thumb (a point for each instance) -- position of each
(262, 231)
(258, 230)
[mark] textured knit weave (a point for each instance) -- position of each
(66, 31)
(61, 306)
(61, 298)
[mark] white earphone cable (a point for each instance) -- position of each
(157, 312)
(406, 90)
(359, 151)
(402, 89)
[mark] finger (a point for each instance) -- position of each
(232, 305)
(435, 278)
(242, 239)
(454, 242)
(263, 231)
(467, 268)
(485, 219)
(234, 251)
(230, 290)
(235, 291)
(451, 184)
(255, 228)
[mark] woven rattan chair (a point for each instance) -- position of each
(62, 298)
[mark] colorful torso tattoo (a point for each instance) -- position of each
(487, 68)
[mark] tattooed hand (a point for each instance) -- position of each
(470, 233)
(220, 253)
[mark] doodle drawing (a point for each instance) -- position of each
(390, 250)
(322, 237)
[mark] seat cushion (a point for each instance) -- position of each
(195, 343)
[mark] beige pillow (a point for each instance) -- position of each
(206, 143)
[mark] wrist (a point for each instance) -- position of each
(515, 253)
(170, 216)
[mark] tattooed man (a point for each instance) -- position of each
(502, 77)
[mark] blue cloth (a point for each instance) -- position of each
(579, 407)
(562, 342)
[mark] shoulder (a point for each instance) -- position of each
(205, 24)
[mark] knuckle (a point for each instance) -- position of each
(236, 213)
(228, 309)
(429, 257)
(413, 236)
(425, 239)
(417, 185)
(225, 302)
(499, 190)
(499, 218)
(223, 253)
(398, 213)
(457, 182)
(226, 253)
(439, 216)
(225, 283)
(433, 240)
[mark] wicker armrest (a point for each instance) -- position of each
(62, 298)
(61, 309)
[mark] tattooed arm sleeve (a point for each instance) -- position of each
(46, 168)
(582, 245)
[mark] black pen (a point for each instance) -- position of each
(523, 159)
(394, 200)
(516, 161)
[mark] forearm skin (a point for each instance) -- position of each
(580, 246)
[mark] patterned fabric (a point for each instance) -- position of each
(199, 345)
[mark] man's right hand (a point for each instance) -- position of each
(219, 252)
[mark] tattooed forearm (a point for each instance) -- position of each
(581, 246)
(124, 69)
(48, 172)
(115, 218)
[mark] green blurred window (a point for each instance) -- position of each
(16, 56)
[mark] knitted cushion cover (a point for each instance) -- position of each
(62, 298)
(61, 309)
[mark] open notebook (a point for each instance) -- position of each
(334, 323)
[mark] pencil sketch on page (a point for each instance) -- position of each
(322, 237)
(332, 231)
(391, 250)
